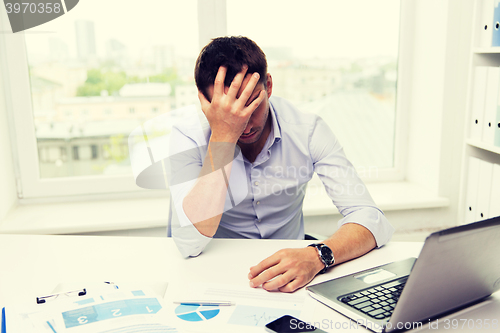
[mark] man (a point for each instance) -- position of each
(277, 150)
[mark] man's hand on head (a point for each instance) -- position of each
(228, 112)
(287, 270)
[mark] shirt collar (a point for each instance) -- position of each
(275, 128)
(273, 137)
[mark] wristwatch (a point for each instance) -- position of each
(325, 254)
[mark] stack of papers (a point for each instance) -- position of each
(115, 310)
(183, 308)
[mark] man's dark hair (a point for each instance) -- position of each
(232, 52)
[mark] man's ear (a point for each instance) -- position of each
(269, 85)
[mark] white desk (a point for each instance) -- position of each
(34, 265)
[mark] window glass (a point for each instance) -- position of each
(101, 70)
(335, 58)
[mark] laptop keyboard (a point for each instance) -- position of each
(377, 302)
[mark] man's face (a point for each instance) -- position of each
(257, 123)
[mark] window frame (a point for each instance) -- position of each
(24, 142)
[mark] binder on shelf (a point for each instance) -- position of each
(495, 192)
(484, 190)
(3, 328)
(471, 190)
(495, 41)
(490, 105)
(478, 97)
(486, 23)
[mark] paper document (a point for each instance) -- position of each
(134, 310)
(252, 309)
(131, 311)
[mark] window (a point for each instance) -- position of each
(76, 153)
(95, 77)
(340, 62)
(95, 153)
(93, 62)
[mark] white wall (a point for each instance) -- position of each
(441, 49)
(426, 102)
(438, 93)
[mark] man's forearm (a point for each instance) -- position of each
(289, 269)
(204, 204)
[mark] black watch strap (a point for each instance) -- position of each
(325, 255)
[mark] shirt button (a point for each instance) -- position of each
(256, 183)
(259, 220)
(258, 202)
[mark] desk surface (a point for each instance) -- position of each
(35, 265)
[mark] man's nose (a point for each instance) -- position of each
(248, 128)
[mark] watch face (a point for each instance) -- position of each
(326, 254)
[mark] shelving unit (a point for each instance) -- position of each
(484, 147)
(474, 147)
(486, 50)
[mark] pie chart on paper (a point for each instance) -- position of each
(196, 312)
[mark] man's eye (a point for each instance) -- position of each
(251, 101)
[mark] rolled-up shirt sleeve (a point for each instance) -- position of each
(343, 185)
(183, 168)
(188, 239)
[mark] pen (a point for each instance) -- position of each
(214, 303)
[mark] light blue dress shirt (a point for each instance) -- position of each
(268, 194)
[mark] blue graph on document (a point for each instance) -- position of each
(257, 316)
(261, 319)
(196, 312)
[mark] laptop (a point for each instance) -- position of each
(456, 268)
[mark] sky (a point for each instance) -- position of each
(314, 28)
(137, 24)
(319, 28)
